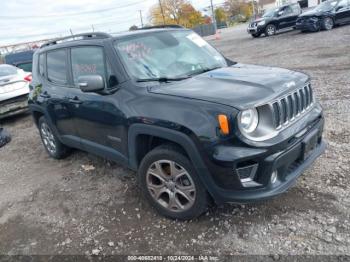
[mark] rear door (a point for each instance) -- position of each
(288, 18)
(56, 94)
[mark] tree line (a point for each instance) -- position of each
(182, 12)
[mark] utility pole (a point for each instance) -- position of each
(141, 18)
(161, 9)
(253, 6)
(71, 32)
(213, 15)
(93, 28)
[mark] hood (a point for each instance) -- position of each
(313, 12)
(240, 86)
(258, 20)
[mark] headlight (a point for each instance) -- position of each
(248, 120)
(261, 22)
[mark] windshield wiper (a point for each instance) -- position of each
(204, 70)
(162, 79)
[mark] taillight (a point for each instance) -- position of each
(28, 78)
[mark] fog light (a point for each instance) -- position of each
(274, 177)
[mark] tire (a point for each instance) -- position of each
(50, 141)
(170, 183)
(255, 35)
(270, 30)
(327, 23)
(5, 137)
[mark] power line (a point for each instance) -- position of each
(72, 14)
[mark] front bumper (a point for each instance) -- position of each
(255, 30)
(289, 163)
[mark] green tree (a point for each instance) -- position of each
(179, 12)
(220, 15)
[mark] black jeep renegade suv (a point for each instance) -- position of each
(195, 125)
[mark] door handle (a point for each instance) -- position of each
(75, 100)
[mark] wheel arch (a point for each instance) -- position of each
(182, 140)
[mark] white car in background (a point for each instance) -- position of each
(14, 90)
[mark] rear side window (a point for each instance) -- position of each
(42, 65)
(57, 66)
(91, 61)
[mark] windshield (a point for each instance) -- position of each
(270, 12)
(326, 6)
(168, 54)
(6, 70)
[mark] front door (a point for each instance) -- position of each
(98, 118)
(342, 12)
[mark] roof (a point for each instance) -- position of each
(101, 35)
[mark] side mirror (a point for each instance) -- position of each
(280, 13)
(91, 83)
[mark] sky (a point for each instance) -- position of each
(28, 20)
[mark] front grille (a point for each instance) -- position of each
(291, 106)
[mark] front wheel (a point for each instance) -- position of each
(170, 183)
(270, 30)
(327, 23)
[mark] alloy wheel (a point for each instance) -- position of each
(171, 186)
(48, 138)
(270, 30)
(328, 23)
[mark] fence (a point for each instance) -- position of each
(205, 30)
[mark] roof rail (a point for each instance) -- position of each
(160, 26)
(84, 36)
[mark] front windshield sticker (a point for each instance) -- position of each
(135, 50)
(197, 40)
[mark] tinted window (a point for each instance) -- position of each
(42, 65)
(57, 66)
(6, 70)
(91, 61)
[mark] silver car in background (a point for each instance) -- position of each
(14, 90)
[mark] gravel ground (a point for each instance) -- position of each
(86, 205)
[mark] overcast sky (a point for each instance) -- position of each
(26, 20)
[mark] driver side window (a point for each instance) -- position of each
(91, 60)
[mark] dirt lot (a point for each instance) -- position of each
(57, 207)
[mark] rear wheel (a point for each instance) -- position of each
(170, 183)
(270, 30)
(327, 23)
(51, 143)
